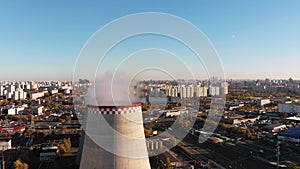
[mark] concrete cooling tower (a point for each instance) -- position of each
(114, 138)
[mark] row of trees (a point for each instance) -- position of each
(65, 146)
(18, 164)
(238, 130)
(227, 127)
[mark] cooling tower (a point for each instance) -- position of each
(114, 138)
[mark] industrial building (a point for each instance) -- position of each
(36, 95)
(262, 102)
(274, 128)
(293, 108)
(290, 135)
(5, 144)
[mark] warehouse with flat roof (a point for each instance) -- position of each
(290, 135)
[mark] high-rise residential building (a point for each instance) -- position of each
(33, 85)
(214, 91)
(19, 94)
(11, 88)
(2, 90)
(8, 95)
(172, 91)
(190, 91)
(205, 91)
(183, 93)
(224, 88)
(201, 91)
(15, 95)
(22, 94)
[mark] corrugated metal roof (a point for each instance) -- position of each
(293, 132)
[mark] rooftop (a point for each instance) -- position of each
(293, 132)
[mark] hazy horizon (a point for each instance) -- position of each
(41, 40)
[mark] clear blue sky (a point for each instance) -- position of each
(40, 40)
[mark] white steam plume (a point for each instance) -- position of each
(111, 90)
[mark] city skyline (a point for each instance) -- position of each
(254, 40)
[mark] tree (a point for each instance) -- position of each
(249, 134)
(18, 164)
(68, 118)
(285, 115)
(31, 148)
(168, 163)
(4, 102)
(63, 131)
(296, 167)
(29, 132)
(148, 131)
(67, 144)
(62, 149)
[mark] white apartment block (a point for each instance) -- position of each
(19, 95)
(2, 91)
(15, 95)
(33, 85)
(8, 95)
(190, 91)
(172, 91)
(201, 91)
(11, 88)
(214, 91)
(53, 91)
(182, 91)
(34, 96)
(224, 90)
(262, 102)
(193, 91)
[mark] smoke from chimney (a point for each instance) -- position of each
(111, 89)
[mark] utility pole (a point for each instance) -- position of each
(6, 121)
(32, 122)
(2, 159)
(277, 153)
(3, 162)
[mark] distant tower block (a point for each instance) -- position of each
(114, 138)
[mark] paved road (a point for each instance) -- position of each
(225, 156)
(208, 153)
